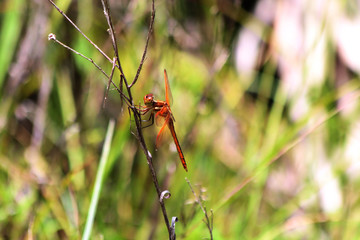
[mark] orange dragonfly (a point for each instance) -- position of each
(163, 116)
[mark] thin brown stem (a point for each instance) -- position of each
(78, 29)
(151, 26)
(114, 42)
(151, 166)
(110, 81)
(53, 37)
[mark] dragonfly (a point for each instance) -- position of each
(161, 111)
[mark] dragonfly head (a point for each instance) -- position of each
(149, 99)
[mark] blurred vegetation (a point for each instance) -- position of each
(266, 106)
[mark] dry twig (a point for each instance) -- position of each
(128, 97)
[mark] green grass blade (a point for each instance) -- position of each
(9, 34)
(99, 180)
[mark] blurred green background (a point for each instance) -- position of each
(266, 106)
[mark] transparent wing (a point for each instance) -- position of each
(165, 121)
(160, 117)
(168, 94)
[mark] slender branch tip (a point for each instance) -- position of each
(51, 36)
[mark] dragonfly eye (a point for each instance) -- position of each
(148, 99)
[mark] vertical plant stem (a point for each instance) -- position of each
(152, 169)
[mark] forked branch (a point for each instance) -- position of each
(128, 96)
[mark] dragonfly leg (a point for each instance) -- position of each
(133, 132)
(142, 109)
(150, 121)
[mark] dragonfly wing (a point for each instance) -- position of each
(168, 94)
(160, 118)
(159, 137)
